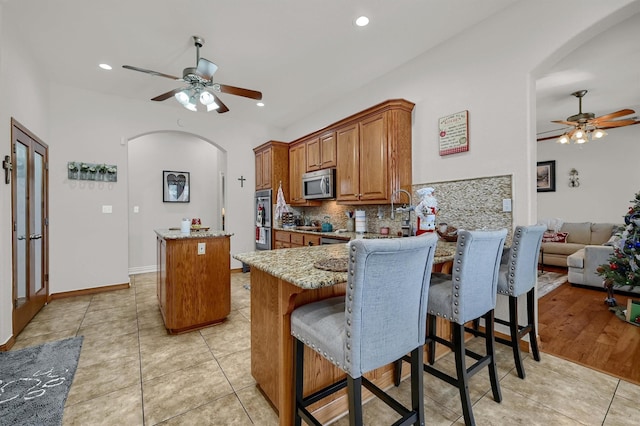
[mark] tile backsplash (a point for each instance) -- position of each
(465, 204)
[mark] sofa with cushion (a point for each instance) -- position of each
(582, 265)
(563, 240)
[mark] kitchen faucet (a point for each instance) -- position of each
(407, 226)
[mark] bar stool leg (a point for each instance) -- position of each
(298, 372)
(533, 338)
(354, 391)
(417, 381)
(490, 347)
(397, 372)
(461, 371)
(431, 343)
(514, 331)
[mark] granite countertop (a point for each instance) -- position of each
(175, 234)
(295, 265)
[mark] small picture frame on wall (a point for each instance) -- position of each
(546, 176)
(175, 187)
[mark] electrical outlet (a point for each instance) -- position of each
(107, 209)
(136, 209)
(506, 205)
(201, 248)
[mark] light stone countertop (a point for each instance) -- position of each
(175, 234)
(295, 265)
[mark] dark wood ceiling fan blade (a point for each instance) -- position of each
(238, 91)
(619, 123)
(568, 123)
(167, 95)
(206, 68)
(607, 117)
(222, 107)
(546, 138)
(159, 74)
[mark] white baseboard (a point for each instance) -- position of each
(143, 269)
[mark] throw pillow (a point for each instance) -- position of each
(555, 237)
(613, 241)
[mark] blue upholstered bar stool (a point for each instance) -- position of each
(468, 293)
(518, 275)
(381, 318)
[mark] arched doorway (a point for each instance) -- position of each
(149, 155)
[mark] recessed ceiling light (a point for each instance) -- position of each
(260, 104)
(362, 21)
(105, 66)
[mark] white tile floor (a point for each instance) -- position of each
(132, 373)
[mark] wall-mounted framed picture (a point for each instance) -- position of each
(546, 176)
(175, 187)
(453, 136)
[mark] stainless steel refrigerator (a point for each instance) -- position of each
(263, 213)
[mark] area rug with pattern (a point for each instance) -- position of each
(549, 281)
(35, 382)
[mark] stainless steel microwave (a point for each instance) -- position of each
(319, 184)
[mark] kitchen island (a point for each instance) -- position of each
(193, 282)
(282, 280)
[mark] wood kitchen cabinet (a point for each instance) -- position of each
(194, 290)
(373, 154)
(321, 151)
(287, 239)
(272, 166)
(298, 167)
(371, 151)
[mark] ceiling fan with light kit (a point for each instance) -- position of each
(586, 126)
(200, 91)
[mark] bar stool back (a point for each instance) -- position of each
(468, 293)
(381, 318)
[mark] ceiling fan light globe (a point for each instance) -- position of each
(564, 139)
(581, 140)
(212, 106)
(598, 133)
(191, 106)
(182, 97)
(578, 134)
(206, 98)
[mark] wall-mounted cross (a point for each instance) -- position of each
(241, 179)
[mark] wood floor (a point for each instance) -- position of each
(576, 324)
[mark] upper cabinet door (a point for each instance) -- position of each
(314, 161)
(348, 163)
(374, 151)
(328, 150)
(297, 167)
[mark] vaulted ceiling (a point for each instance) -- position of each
(302, 55)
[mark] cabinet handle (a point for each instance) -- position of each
(35, 236)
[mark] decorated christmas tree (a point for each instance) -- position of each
(623, 268)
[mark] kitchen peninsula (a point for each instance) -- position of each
(282, 280)
(193, 279)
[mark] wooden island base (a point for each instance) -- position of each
(194, 289)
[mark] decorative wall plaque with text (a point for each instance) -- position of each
(454, 133)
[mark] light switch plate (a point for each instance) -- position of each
(201, 248)
(107, 209)
(506, 205)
